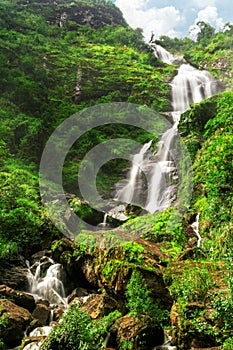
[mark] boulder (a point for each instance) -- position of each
(78, 292)
(22, 299)
(99, 305)
(17, 320)
(138, 331)
(37, 256)
(186, 335)
(13, 276)
(42, 313)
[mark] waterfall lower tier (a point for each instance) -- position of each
(45, 280)
(129, 191)
(167, 343)
(160, 172)
(163, 176)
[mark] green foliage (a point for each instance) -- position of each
(78, 331)
(133, 252)
(164, 227)
(213, 52)
(140, 302)
(175, 45)
(194, 284)
(223, 313)
(228, 344)
(206, 31)
(24, 223)
(3, 324)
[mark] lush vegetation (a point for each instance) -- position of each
(52, 66)
(49, 70)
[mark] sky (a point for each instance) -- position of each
(175, 18)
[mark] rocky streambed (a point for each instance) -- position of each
(35, 294)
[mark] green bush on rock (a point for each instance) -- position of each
(77, 331)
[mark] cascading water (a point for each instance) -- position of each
(45, 280)
(163, 55)
(190, 85)
(129, 192)
(163, 175)
(104, 224)
(167, 343)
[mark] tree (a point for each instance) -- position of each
(206, 31)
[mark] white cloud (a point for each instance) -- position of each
(160, 21)
(207, 15)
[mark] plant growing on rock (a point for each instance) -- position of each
(140, 302)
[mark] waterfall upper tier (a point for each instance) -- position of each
(162, 54)
(191, 85)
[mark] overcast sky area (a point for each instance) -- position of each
(175, 18)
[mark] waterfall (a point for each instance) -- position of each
(195, 226)
(167, 343)
(45, 280)
(163, 55)
(130, 191)
(161, 191)
(190, 85)
(104, 224)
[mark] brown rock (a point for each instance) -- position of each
(17, 319)
(13, 276)
(99, 305)
(42, 313)
(135, 330)
(22, 299)
(77, 292)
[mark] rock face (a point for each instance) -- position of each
(20, 298)
(111, 268)
(16, 319)
(186, 336)
(42, 313)
(134, 331)
(13, 276)
(99, 305)
(60, 12)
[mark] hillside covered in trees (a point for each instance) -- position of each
(62, 57)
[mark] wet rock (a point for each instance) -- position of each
(13, 276)
(44, 262)
(186, 335)
(41, 331)
(42, 313)
(99, 305)
(57, 314)
(33, 343)
(20, 298)
(76, 293)
(43, 302)
(17, 320)
(139, 331)
(33, 325)
(111, 269)
(37, 256)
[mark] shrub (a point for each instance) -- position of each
(140, 302)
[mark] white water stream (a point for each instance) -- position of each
(190, 85)
(45, 280)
